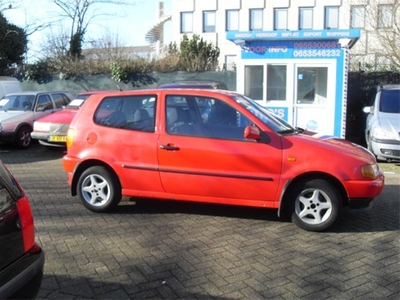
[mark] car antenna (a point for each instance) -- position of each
(119, 88)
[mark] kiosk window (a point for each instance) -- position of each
(312, 85)
(254, 82)
(276, 82)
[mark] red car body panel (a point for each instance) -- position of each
(213, 170)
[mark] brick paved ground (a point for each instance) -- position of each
(166, 250)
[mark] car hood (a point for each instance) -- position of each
(60, 117)
(337, 147)
(9, 114)
(389, 121)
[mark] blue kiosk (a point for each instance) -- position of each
(301, 75)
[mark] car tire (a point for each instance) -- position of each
(23, 137)
(99, 190)
(316, 205)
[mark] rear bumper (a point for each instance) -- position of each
(23, 278)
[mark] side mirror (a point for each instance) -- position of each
(367, 109)
(252, 133)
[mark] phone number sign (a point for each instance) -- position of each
(292, 49)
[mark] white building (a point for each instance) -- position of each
(212, 19)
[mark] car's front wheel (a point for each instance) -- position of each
(98, 189)
(23, 138)
(316, 205)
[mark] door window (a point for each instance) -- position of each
(44, 103)
(254, 82)
(312, 85)
(204, 117)
(276, 82)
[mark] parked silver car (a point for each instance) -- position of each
(18, 111)
(382, 132)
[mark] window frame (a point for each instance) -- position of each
(185, 28)
(276, 18)
(228, 17)
(355, 17)
(327, 17)
(206, 15)
(253, 19)
(301, 17)
(382, 23)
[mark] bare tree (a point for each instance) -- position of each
(82, 13)
(383, 31)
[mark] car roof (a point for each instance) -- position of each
(389, 87)
(36, 93)
(198, 84)
(171, 90)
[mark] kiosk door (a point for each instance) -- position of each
(314, 106)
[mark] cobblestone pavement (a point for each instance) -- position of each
(166, 250)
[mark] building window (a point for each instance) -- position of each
(209, 21)
(232, 20)
(230, 62)
(254, 82)
(186, 22)
(305, 17)
(357, 16)
(385, 16)
(331, 17)
(276, 82)
(256, 19)
(280, 19)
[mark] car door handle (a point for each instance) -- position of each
(169, 147)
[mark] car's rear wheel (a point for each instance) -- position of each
(316, 205)
(23, 138)
(99, 190)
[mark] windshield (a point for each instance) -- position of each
(275, 123)
(17, 102)
(390, 101)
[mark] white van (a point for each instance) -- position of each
(9, 85)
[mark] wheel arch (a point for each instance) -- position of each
(84, 166)
(285, 202)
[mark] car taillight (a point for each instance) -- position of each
(70, 137)
(26, 222)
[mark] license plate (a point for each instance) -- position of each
(57, 138)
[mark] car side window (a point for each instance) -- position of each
(60, 99)
(204, 117)
(128, 112)
(44, 103)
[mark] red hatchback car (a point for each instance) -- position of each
(216, 147)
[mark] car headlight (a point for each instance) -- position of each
(370, 171)
(39, 126)
(382, 133)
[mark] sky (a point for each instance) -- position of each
(127, 24)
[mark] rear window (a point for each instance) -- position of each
(390, 101)
(128, 112)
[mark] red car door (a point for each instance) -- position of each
(219, 169)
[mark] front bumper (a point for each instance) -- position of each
(386, 149)
(362, 192)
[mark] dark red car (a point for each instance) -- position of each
(21, 258)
